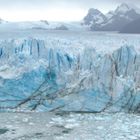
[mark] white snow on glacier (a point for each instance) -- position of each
(42, 25)
(75, 71)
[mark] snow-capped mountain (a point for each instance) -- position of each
(94, 16)
(94, 20)
(123, 8)
(113, 20)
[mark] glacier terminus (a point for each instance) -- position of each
(69, 73)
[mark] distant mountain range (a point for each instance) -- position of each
(125, 19)
(42, 25)
(113, 21)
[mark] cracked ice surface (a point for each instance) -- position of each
(70, 71)
(70, 126)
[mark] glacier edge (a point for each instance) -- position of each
(36, 76)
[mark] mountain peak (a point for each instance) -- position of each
(124, 5)
(94, 16)
(113, 20)
(93, 11)
(123, 8)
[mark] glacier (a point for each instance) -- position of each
(59, 74)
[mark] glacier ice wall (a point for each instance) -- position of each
(36, 75)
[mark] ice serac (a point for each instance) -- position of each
(35, 75)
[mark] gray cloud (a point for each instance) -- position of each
(85, 4)
(13, 6)
(47, 3)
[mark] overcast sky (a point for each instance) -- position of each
(54, 10)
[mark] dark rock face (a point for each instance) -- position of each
(94, 16)
(119, 21)
(132, 27)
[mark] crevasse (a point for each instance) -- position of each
(34, 75)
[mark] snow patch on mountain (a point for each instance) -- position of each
(113, 20)
(123, 8)
(41, 25)
(94, 16)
